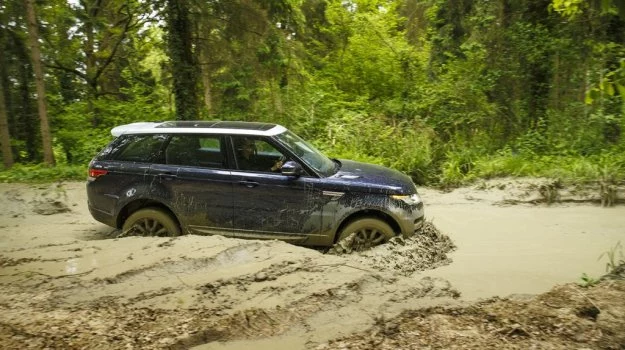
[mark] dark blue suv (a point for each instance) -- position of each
(246, 180)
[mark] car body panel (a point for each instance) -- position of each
(371, 178)
(121, 181)
(200, 197)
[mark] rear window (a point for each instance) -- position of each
(135, 148)
(196, 150)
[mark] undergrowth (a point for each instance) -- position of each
(39, 173)
(459, 169)
(410, 154)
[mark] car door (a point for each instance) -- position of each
(195, 178)
(268, 204)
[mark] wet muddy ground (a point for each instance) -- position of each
(67, 281)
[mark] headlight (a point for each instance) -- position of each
(412, 199)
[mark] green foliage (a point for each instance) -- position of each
(39, 173)
(78, 145)
(610, 84)
(447, 91)
(405, 146)
(568, 8)
(457, 166)
(614, 256)
(609, 165)
(575, 8)
(587, 281)
(615, 262)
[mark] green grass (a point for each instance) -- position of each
(608, 166)
(39, 173)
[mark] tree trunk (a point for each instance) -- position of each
(25, 121)
(5, 137)
(206, 74)
(33, 38)
(183, 64)
(90, 62)
(203, 48)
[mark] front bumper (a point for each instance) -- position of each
(410, 219)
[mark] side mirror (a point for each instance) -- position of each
(291, 168)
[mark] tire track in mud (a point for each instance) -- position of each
(270, 299)
(240, 254)
(42, 246)
(111, 323)
(255, 322)
(379, 280)
(171, 273)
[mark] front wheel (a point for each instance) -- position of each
(151, 222)
(367, 233)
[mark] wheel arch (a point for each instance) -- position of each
(138, 204)
(368, 213)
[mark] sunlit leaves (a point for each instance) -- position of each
(569, 8)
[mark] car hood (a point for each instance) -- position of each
(372, 178)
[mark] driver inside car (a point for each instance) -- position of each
(248, 158)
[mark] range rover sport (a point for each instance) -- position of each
(246, 180)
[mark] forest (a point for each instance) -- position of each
(447, 91)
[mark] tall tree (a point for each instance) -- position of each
(90, 40)
(5, 137)
(183, 63)
(33, 39)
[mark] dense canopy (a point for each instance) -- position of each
(445, 90)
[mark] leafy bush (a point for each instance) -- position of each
(39, 173)
(77, 145)
(406, 146)
(607, 166)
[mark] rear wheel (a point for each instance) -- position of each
(367, 233)
(151, 222)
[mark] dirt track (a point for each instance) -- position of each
(67, 282)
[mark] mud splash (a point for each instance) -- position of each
(427, 249)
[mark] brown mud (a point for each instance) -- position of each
(68, 282)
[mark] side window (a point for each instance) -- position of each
(138, 148)
(195, 150)
(210, 144)
(256, 155)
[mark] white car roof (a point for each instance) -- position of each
(199, 127)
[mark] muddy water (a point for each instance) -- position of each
(522, 249)
(502, 250)
(272, 295)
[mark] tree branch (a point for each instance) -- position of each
(58, 65)
(230, 22)
(109, 59)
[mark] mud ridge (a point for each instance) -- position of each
(427, 249)
(238, 254)
(566, 317)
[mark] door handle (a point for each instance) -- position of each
(248, 184)
(167, 175)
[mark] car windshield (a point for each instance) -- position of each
(308, 153)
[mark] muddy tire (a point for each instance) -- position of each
(151, 222)
(367, 233)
